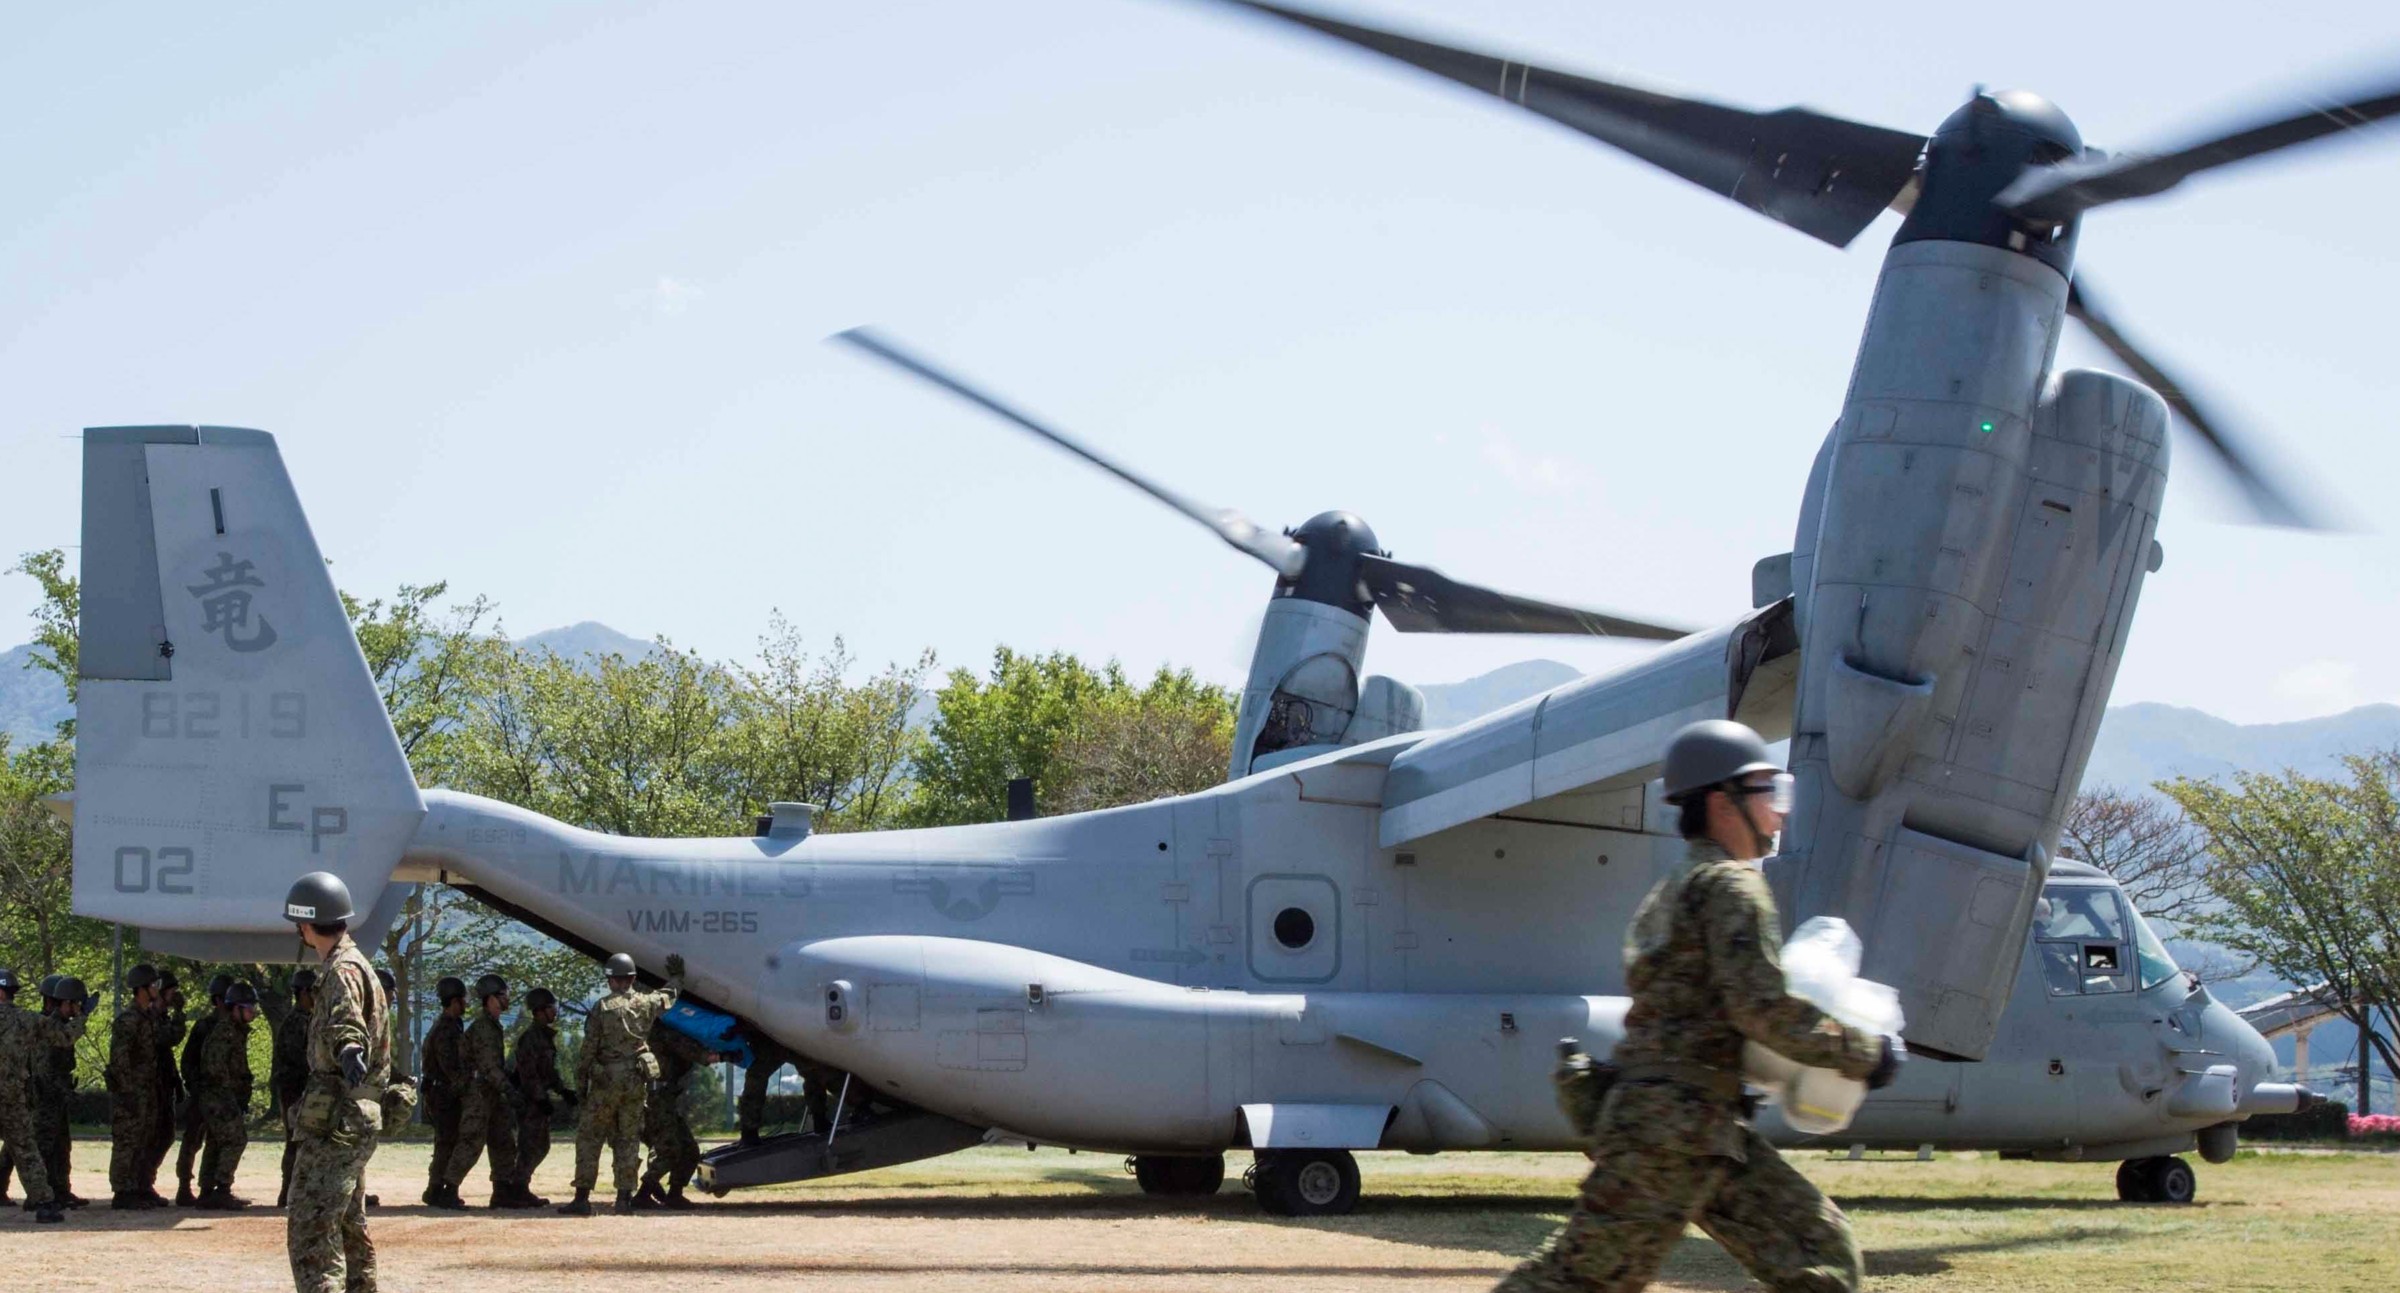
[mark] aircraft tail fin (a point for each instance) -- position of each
(229, 737)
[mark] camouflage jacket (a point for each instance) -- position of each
(27, 1040)
(55, 1081)
(1702, 963)
(224, 1063)
(617, 1031)
(170, 1031)
(350, 1012)
(195, 1044)
(287, 1064)
(678, 1053)
(445, 1061)
(536, 1064)
(133, 1042)
(486, 1053)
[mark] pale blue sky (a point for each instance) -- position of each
(533, 295)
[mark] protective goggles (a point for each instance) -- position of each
(1777, 791)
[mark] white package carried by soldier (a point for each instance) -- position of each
(1820, 965)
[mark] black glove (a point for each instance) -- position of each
(674, 965)
(354, 1065)
(1887, 1069)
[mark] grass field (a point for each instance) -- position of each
(998, 1219)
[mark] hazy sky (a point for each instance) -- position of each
(533, 297)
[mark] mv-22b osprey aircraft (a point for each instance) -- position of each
(1373, 944)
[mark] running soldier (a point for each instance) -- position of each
(287, 1068)
(535, 1067)
(224, 1099)
(134, 1087)
(192, 1117)
(341, 1105)
(445, 1083)
(674, 1150)
(487, 1115)
(614, 1072)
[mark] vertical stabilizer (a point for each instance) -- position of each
(228, 735)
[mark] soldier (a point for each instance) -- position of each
(287, 1069)
(535, 1068)
(8, 1000)
(192, 1117)
(488, 1113)
(64, 998)
(767, 1058)
(341, 1104)
(674, 1150)
(166, 1107)
(134, 1089)
(1673, 1143)
(25, 1041)
(614, 1072)
(224, 1099)
(445, 1084)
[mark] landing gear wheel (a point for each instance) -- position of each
(2171, 1180)
(1178, 1176)
(1306, 1182)
(2133, 1182)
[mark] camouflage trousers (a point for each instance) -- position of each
(195, 1126)
(1636, 1201)
(613, 1102)
(441, 1114)
(50, 1128)
(674, 1150)
(225, 1123)
(533, 1140)
(132, 1131)
(325, 1230)
(484, 1121)
(24, 1148)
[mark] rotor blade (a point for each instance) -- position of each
(1827, 177)
(1245, 535)
(2272, 504)
(1420, 599)
(2057, 193)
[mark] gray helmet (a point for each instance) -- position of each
(540, 999)
(140, 977)
(217, 985)
(303, 980)
(1710, 753)
(490, 985)
(67, 988)
(241, 994)
(50, 985)
(451, 988)
(8, 981)
(619, 966)
(318, 898)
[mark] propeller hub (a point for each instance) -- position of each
(1980, 150)
(1334, 542)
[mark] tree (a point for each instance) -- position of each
(56, 635)
(1173, 737)
(2145, 844)
(801, 731)
(37, 869)
(987, 732)
(2306, 874)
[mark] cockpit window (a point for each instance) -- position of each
(2151, 955)
(2080, 931)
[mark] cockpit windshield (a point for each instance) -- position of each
(2090, 941)
(2151, 955)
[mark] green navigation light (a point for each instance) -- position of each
(1986, 428)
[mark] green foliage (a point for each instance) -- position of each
(55, 635)
(801, 731)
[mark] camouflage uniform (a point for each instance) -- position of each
(614, 1073)
(535, 1067)
(674, 1150)
(26, 1039)
(326, 1233)
(767, 1059)
(224, 1100)
(53, 1092)
(485, 1114)
(166, 1109)
(193, 1117)
(1672, 1144)
(287, 1074)
(134, 1094)
(445, 1085)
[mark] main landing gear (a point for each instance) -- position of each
(2156, 1180)
(1177, 1176)
(1305, 1182)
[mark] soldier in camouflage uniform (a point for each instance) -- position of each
(487, 1116)
(287, 1068)
(166, 1110)
(535, 1069)
(1673, 1143)
(614, 1072)
(224, 1099)
(134, 1088)
(445, 1085)
(666, 1131)
(26, 1040)
(341, 1104)
(192, 1118)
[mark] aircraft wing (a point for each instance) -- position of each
(1602, 732)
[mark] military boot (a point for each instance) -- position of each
(646, 1199)
(527, 1198)
(625, 1203)
(676, 1200)
(749, 1137)
(183, 1193)
(579, 1206)
(213, 1199)
(126, 1201)
(48, 1214)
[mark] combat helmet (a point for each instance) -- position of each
(8, 981)
(318, 898)
(218, 983)
(241, 994)
(540, 999)
(303, 980)
(140, 977)
(50, 986)
(66, 988)
(619, 966)
(1710, 753)
(451, 988)
(489, 986)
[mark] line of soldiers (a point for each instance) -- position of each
(37, 1078)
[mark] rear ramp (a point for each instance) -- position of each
(885, 1139)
